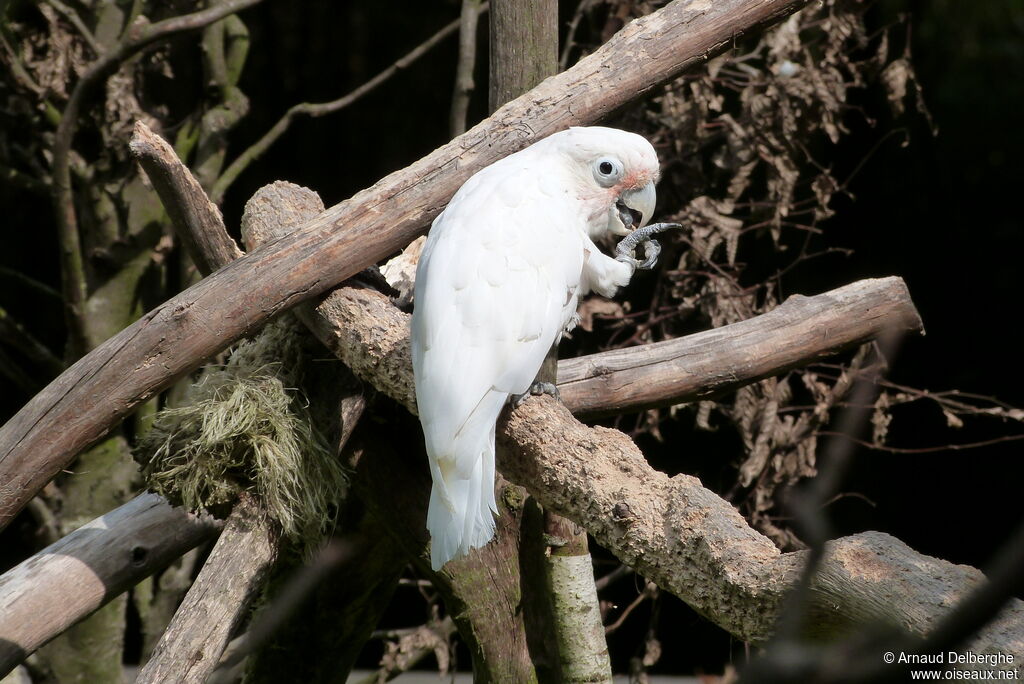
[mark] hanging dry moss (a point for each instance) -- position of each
(246, 425)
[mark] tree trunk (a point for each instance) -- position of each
(524, 51)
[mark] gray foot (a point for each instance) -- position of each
(627, 246)
(536, 389)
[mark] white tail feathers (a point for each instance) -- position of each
(461, 512)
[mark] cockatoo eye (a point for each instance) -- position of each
(607, 171)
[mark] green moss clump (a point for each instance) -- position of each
(245, 428)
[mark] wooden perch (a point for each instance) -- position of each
(706, 364)
(673, 530)
(693, 543)
(368, 333)
(68, 580)
(103, 387)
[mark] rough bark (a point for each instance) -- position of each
(68, 580)
(197, 220)
(103, 387)
(674, 531)
(798, 332)
(192, 645)
(694, 544)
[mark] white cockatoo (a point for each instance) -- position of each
(497, 283)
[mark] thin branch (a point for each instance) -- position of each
(16, 65)
(257, 149)
(923, 450)
(72, 16)
(14, 334)
(570, 35)
(463, 90)
(650, 590)
(22, 179)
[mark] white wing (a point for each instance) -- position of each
(497, 280)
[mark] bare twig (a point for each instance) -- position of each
(463, 90)
(922, 450)
(650, 591)
(257, 149)
(71, 15)
(582, 8)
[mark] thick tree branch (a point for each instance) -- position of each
(190, 649)
(706, 364)
(369, 334)
(101, 389)
(674, 531)
(694, 544)
(68, 580)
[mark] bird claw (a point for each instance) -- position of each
(627, 246)
(536, 389)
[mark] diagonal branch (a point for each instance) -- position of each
(197, 221)
(101, 389)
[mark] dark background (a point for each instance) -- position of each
(941, 210)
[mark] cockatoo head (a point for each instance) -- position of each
(613, 172)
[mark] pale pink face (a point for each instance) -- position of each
(615, 172)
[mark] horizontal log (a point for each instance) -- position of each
(799, 331)
(98, 391)
(52, 590)
(371, 336)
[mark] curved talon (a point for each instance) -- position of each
(536, 389)
(652, 249)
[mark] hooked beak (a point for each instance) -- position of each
(635, 208)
